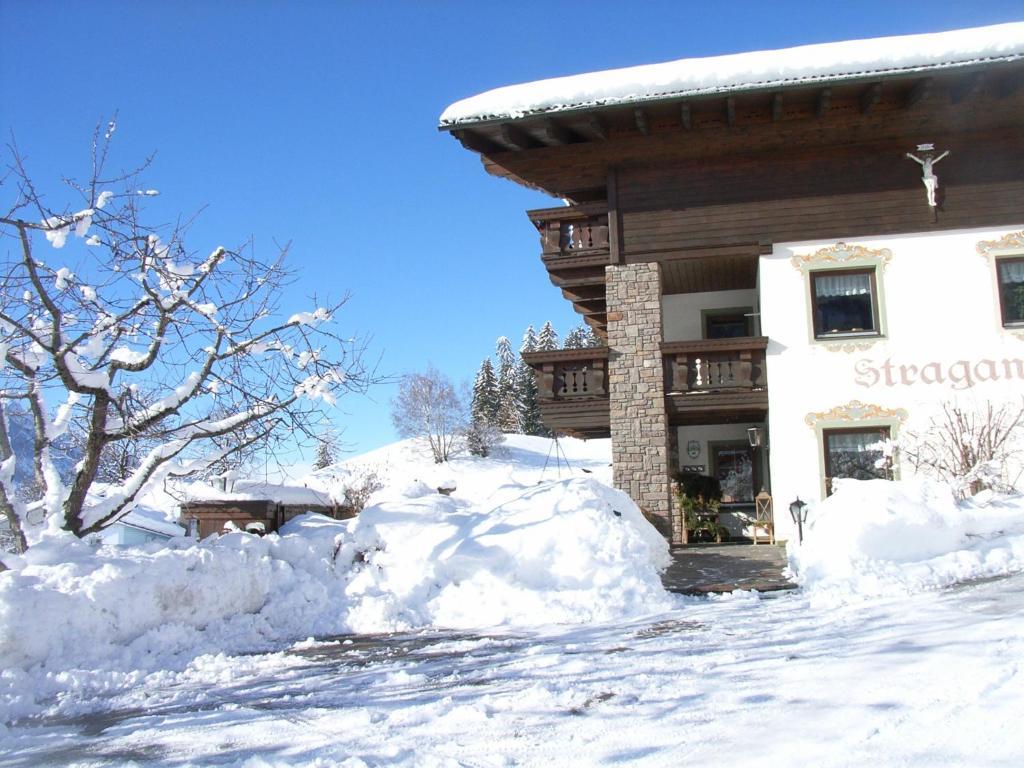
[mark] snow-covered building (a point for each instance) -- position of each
(142, 525)
(207, 509)
(792, 255)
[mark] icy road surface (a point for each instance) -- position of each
(930, 680)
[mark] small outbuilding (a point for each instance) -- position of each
(142, 525)
(246, 503)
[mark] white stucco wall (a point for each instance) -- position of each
(681, 312)
(940, 315)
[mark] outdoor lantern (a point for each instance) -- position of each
(756, 436)
(798, 511)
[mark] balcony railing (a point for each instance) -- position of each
(573, 231)
(570, 374)
(715, 364)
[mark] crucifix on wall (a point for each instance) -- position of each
(927, 162)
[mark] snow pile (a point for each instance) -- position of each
(878, 537)
(758, 69)
(560, 552)
(563, 551)
(66, 605)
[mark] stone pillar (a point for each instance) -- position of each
(636, 383)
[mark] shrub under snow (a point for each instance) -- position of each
(880, 537)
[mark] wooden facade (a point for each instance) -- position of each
(212, 516)
(707, 185)
(706, 200)
(704, 185)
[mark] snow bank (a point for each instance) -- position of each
(561, 552)
(877, 537)
(565, 551)
(520, 460)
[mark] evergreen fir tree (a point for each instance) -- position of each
(508, 390)
(484, 409)
(548, 338)
(574, 338)
(590, 338)
(529, 340)
(529, 410)
(325, 451)
(581, 337)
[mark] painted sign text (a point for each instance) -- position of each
(962, 374)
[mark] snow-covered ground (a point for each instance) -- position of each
(512, 545)
(933, 679)
(520, 621)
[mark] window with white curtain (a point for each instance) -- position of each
(844, 302)
(1011, 289)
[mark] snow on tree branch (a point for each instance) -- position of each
(117, 332)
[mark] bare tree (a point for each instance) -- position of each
(428, 406)
(360, 485)
(178, 360)
(970, 449)
(482, 438)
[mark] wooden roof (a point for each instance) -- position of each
(568, 154)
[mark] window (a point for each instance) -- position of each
(1011, 290)
(855, 453)
(844, 302)
(727, 324)
(733, 466)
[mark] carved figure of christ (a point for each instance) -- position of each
(928, 177)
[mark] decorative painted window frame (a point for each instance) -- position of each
(1010, 245)
(854, 414)
(842, 256)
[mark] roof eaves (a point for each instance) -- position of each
(748, 87)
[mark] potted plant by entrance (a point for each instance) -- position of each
(699, 498)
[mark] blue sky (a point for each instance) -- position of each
(315, 123)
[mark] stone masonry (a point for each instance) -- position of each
(636, 384)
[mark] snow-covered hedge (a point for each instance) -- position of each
(879, 537)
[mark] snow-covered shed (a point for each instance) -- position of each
(142, 525)
(245, 502)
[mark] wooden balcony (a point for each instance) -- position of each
(575, 250)
(716, 380)
(707, 381)
(573, 233)
(572, 389)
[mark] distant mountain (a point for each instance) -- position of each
(20, 428)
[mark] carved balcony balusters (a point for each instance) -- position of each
(574, 231)
(715, 364)
(572, 390)
(566, 374)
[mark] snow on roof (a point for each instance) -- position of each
(255, 490)
(152, 520)
(825, 62)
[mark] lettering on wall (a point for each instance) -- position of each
(961, 374)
